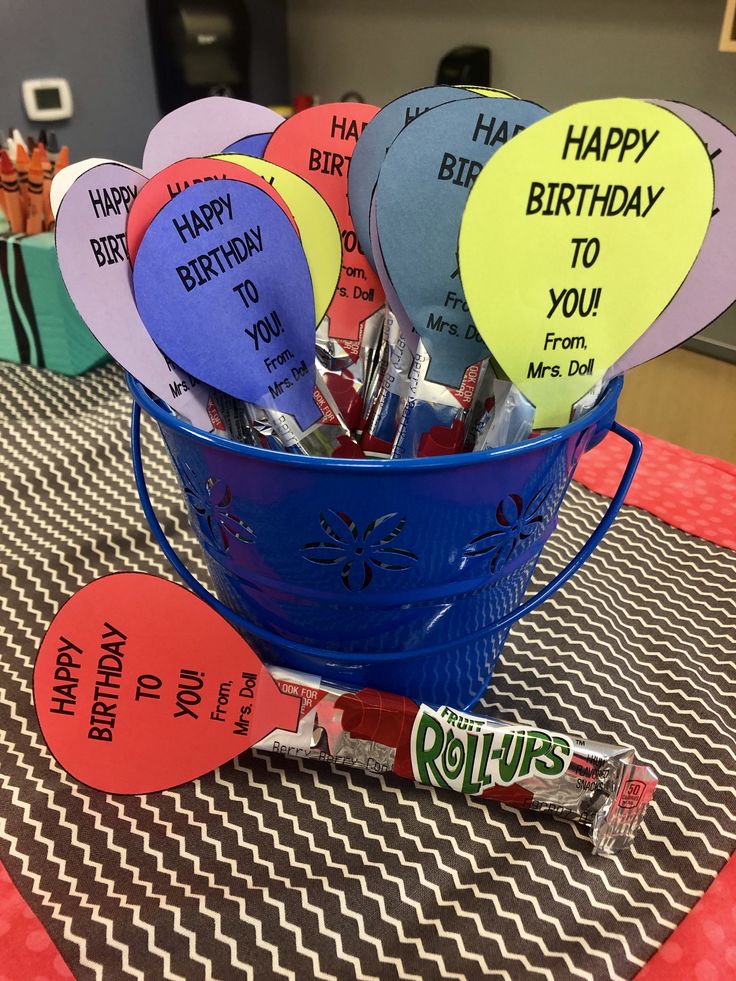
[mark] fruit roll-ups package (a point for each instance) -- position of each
(433, 418)
(348, 366)
(236, 423)
(598, 786)
(482, 404)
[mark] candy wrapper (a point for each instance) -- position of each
(391, 389)
(433, 419)
(348, 367)
(235, 421)
(328, 437)
(510, 420)
(597, 786)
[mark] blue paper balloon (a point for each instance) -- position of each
(379, 134)
(421, 192)
(222, 284)
(251, 146)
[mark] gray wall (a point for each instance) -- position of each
(554, 52)
(103, 48)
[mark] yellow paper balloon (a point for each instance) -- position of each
(576, 235)
(317, 226)
(487, 91)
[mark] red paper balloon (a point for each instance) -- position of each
(317, 144)
(170, 181)
(140, 686)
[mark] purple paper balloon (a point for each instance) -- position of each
(710, 286)
(223, 286)
(204, 127)
(94, 264)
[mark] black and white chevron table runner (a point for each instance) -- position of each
(276, 868)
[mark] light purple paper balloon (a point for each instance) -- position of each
(94, 263)
(710, 286)
(204, 127)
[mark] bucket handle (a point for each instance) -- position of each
(531, 604)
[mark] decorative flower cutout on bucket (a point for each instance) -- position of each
(517, 522)
(212, 502)
(358, 552)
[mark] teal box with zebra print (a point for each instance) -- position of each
(39, 324)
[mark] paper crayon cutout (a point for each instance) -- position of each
(204, 127)
(317, 144)
(710, 287)
(374, 142)
(223, 286)
(575, 237)
(314, 220)
(422, 189)
(64, 178)
(251, 146)
(93, 259)
(139, 686)
(170, 181)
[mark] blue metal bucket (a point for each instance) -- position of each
(401, 575)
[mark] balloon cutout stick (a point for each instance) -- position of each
(172, 180)
(93, 259)
(64, 178)
(139, 686)
(575, 237)
(223, 286)
(206, 126)
(317, 144)
(314, 220)
(421, 192)
(370, 150)
(710, 287)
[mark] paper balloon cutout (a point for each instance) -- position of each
(61, 182)
(204, 127)
(139, 686)
(317, 144)
(251, 146)
(375, 140)
(421, 192)
(170, 181)
(710, 287)
(314, 220)
(575, 237)
(222, 284)
(489, 91)
(94, 264)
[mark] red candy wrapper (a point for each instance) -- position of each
(348, 367)
(599, 787)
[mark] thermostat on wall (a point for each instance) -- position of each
(46, 100)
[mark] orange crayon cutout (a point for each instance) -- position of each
(12, 202)
(22, 163)
(35, 217)
(62, 159)
(48, 173)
